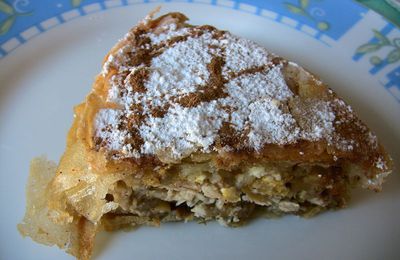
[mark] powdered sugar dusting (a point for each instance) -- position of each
(381, 164)
(118, 60)
(315, 117)
(106, 122)
(245, 90)
(243, 54)
(182, 130)
(269, 124)
(174, 75)
(168, 32)
(255, 104)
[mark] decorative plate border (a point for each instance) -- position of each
(378, 49)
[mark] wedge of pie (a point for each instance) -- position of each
(193, 123)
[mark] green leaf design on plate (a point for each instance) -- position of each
(368, 47)
(393, 56)
(6, 24)
(396, 42)
(304, 3)
(383, 42)
(6, 8)
(295, 9)
(375, 60)
(76, 3)
(323, 26)
(381, 38)
(301, 9)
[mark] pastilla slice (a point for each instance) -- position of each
(192, 123)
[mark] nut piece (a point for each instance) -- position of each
(230, 194)
(288, 206)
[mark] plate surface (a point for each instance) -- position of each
(49, 58)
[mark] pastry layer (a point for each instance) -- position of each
(190, 122)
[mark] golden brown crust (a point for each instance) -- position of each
(87, 232)
(94, 188)
(364, 151)
(304, 85)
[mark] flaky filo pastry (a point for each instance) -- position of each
(193, 123)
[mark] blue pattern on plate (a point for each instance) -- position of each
(320, 15)
(325, 20)
(339, 18)
(393, 81)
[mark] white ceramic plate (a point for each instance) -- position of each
(41, 80)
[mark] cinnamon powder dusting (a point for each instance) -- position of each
(195, 88)
(212, 90)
